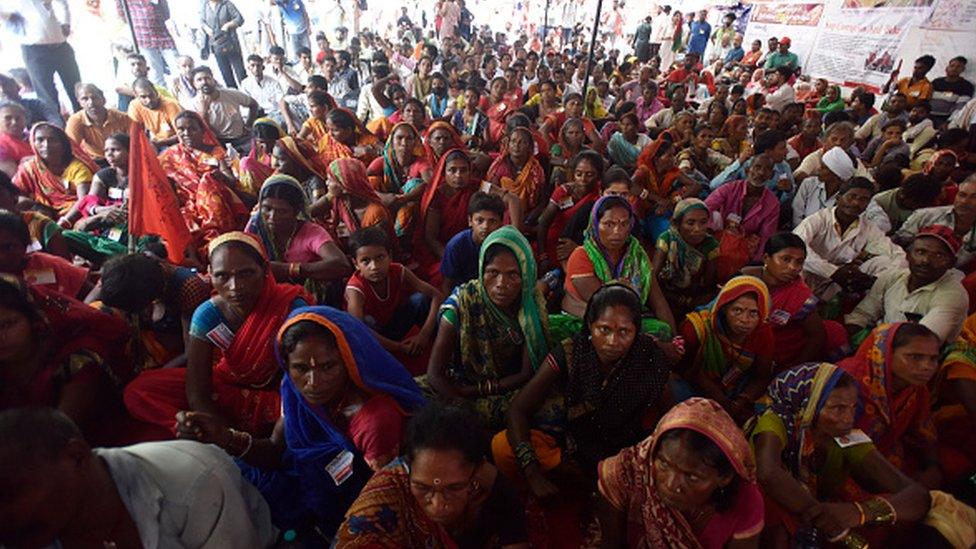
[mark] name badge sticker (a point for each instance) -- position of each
(340, 468)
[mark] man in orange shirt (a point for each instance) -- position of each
(90, 126)
(157, 113)
(916, 87)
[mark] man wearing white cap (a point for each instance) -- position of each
(845, 251)
(820, 191)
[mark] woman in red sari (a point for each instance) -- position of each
(62, 353)
(893, 367)
(205, 182)
(347, 138)
(658, 178)
(439, 138)
(14, 145)
(572, 108)
(517, 171)
(500, 105)
(231, 371)
(399, 175)
(58, 175)
(443, 212)
(801, 335)
(582, 190)
(256, 166)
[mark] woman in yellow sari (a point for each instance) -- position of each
(58, 175)
(347, 138)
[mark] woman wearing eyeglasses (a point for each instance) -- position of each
(442, 493)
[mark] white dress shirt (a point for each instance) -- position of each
(828, 249)
(267, 92)
(41, 24)
(182, 493)
(940, 306)
(811, 197)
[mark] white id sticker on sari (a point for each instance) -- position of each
(340, 468)
(35, 246)
(115, 193)
(566, 203)
(779, 317)
(40, 277)
(855, 437)
(221, 336)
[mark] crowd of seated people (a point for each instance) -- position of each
(496, 305)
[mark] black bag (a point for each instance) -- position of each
(225, 43)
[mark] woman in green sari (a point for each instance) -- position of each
(610, 253)
(493, 332)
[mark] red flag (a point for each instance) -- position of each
(153, 206)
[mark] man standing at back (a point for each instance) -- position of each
(43, 27)
(153, 38)
(701, 31)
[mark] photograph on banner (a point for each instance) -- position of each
(794, 20)
(862, 47)
(871, 4)
(952, 15)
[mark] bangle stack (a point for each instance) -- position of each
(487, 388)
(879, 510)
(242, 438)
(525, 455)
(294, 270)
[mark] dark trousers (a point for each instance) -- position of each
(42, 62)
(231, 63)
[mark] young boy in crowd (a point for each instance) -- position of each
(388, 297)
(460, 261)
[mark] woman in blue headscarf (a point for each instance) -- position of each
(344, 404)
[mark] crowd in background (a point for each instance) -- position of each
(452, 287)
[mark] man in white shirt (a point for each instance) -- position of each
(929, 291)
(839, 134)
(818, 192)
(779, 91)
(42, 27)
(286, 76)
(60, 492)
(845, 251)
(960, 216)
(221, 108)
(266, 90)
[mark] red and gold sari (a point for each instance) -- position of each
(891, 419)
(207, 202)
(57, 191)
(344, 220)
(245, 375)
(453, 207)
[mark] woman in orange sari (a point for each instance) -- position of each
(231, 370)
(893, 367)
(955, 405)
(58, 175)
(354, 204)
(517, 171)
(443, 212)
(658, 176)
(297, 158)
(204, 180)
(500, 105)
(347, 138)
(645, 504)
(399, 175)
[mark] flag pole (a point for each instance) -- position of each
(592, 52)
(128, 21)
(545, 28)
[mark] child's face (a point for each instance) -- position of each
(318, 111)
(892, 133)
(482, 224)
(373, 263)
